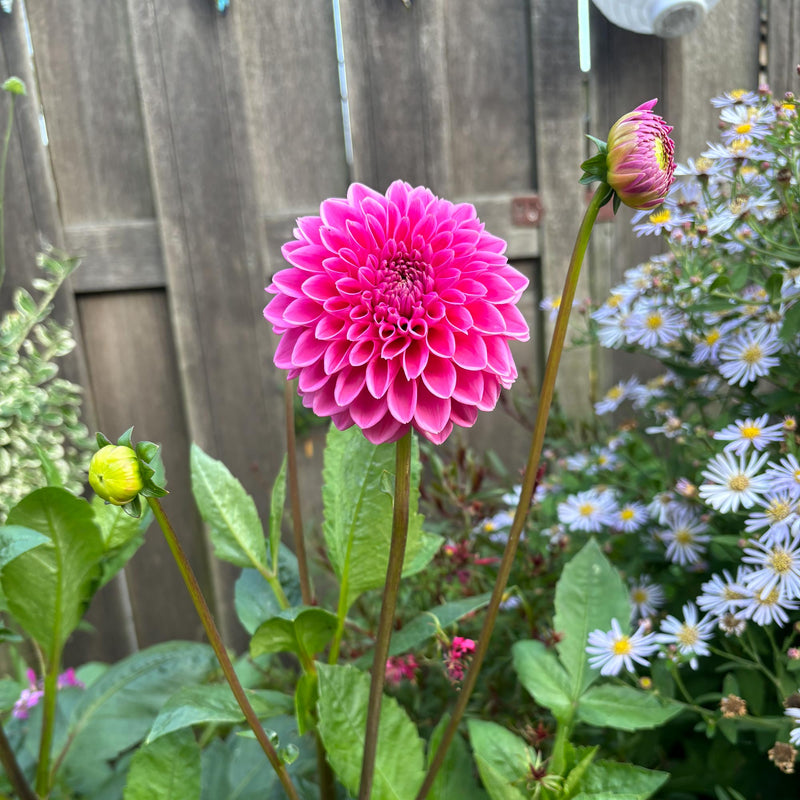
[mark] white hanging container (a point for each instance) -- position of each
(665, 18)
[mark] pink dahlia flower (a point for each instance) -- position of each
(640, 157)
(397, 312)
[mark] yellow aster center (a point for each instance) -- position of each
(780, 561)
(730, 594)
(614, 300)
(660, 217)
(738, 94)
(712, 337)
(771, 599)
(586, 510)
(737, 205)
(555, 302)
(639, 596)
(796, 475)
(614, 392)
(660, 152)
(752, 354)
(777, 510)
(654, 321)
(744, 128)
(688, 635)
(627, 514)
(622, 646)
(684, 536)
(750, 431)
(739, 483)
(740, 146)
(703, 164)
(489, 527)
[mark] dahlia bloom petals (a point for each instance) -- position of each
(396, 311)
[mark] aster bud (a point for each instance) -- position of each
(640, 159)
(114, 474)
(14, 85)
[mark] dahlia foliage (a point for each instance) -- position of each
(396, 313)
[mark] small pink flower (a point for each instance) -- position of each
(457, 658)
(399, 668)
(396, 313)
(68, 678)
(640, 157)
(28, 698)
(793, 653)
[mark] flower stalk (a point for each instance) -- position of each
(219, 648)
(600, 196)
(402, 492)
(15, 775)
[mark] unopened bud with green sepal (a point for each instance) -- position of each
(122, 473)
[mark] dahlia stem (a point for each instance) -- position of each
(294, 497)
(402, 491)
(528, 482)
(15, 774)
(219, 648)
(43, 772)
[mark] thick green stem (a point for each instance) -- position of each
(528, 481)
(3, 161)
(294, 497)
(13, 771)
(43, 772)
(402, 490)
(219, 648)
(327, 784)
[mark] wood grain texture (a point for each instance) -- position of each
(559, 115)
(89, 96)
(116, 256)
(783, 50)
(133, 377)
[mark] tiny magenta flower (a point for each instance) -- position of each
(115, 474)
(396, 312)
(640, 162)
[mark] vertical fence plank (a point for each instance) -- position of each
(559, 113)
(783, 55)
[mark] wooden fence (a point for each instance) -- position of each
(182, 144)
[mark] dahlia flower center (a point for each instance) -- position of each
(402, 282)
(622, 647)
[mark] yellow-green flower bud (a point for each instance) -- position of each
(115, 475)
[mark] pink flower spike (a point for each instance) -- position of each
(28, 697)
(640, 158)
(396, 312)
(68, 678)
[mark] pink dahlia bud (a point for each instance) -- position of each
(640, 159)
(396, 313)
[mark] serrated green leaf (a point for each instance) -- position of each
(229, 511)
(791, 324)
(542, 675)
(166, 769)
(589, 594)
(343, 695)
(625, 708)
(48, 588)
(276, 504)
(455, 779)
(503, 759)
(303, 630)
(119, 708)
(358, 515)
(576, 773)
(195, 705)
(254, 599)
(610, 780)
(16, 540)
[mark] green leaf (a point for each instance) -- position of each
(358, 515)
(16, 540)
(196, 705)
(455, 779)
(253, 596)
(166, 769)
(48, 588)
(543, 677)
(277, 502)
(610, 780)
(49, 469)
(231, 515)
(791, 323)
(343, 694)
(575, 775)
(625, 708)
(503, 760)
(119, 708)
(303, 630)
(306, 694)
(589, 594)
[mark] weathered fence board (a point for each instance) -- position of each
(783, 36)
